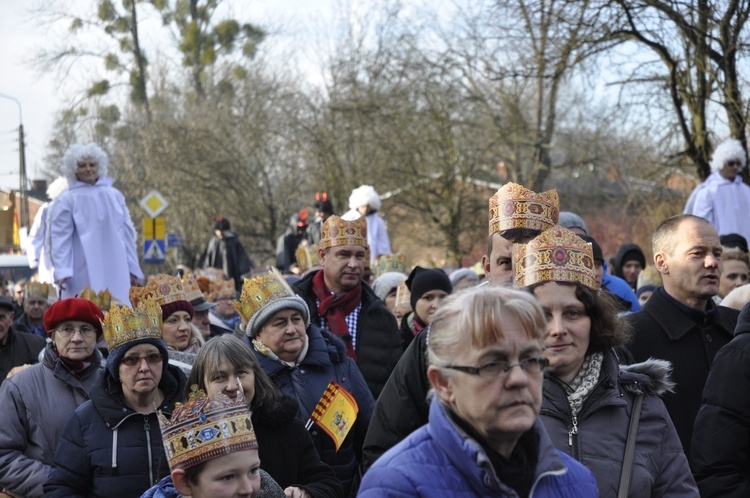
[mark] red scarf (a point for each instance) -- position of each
(335, 308)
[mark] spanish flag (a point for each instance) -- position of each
(335, 413)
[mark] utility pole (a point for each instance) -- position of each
(23, 220)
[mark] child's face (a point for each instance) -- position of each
(230, 476)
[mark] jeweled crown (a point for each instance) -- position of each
(557, 254)
(403, 295)
(103, 299)
(258, 291)
(307, 257)
(516, 207)
(161, 288)
(338, 232)
(205, 428)
(390, 262)
(122, 324)
(222, 288)
(190, 285)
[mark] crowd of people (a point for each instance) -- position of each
(553, 372)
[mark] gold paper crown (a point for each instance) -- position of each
(403, 295)
(516, 207)
(390, 262)
(161, 288)
(649, 276)
(192, 291)
(307, 257)
(38, 289)
(222, 288)
(122, 325)
(205, 428)
(259, 291)
(103, 299)
(338, 232)
(557, 254)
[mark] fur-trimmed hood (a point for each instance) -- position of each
(653, 377)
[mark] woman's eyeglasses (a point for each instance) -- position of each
(86, 331)
(151, 359)
(495, 369)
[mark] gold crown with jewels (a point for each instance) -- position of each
(205, 428)
(122, 324)
(190, 285)
(339, 232)
(307, 257)
(258, 291)
(515, 207)
(222, 288)
(390, 262)
(161, 288)
(556, 255)
(38, 289)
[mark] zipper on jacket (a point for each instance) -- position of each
(573, 431)
(147, 428)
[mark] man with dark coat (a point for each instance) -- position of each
(225, 252)
(342, 304)
(16, 348)
(680, 322)
(720, 449)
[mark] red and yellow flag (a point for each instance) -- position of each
(336, 412)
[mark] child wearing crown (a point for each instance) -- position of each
(212, 451)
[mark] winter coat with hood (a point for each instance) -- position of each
(378, 346)
(326, 361)
(92, 238)
(720, 451)
(596, 437)
(36, 404)
(109, 450)
(441, 459)
(628, 249)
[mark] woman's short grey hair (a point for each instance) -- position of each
(474, 318)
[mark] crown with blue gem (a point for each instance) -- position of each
(205, 428)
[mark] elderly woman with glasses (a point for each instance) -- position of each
(38, 400)
(483, 437)
(111, 445)
(590, 401)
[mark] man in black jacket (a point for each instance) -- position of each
(342, 304)
(225, 252)
(16, 348)
(680, 322)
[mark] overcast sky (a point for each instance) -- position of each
(41, 96)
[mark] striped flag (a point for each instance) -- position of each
(335, 413)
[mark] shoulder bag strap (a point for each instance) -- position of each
(627, 462)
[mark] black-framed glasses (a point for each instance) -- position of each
(151, 359)
(734, 163)
(86, 331)
(495, 369)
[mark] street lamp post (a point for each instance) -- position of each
(24, 202)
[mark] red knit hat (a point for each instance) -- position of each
(169, 308)
(73, 309)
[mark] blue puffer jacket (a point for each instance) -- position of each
(440, 459)
(326, 360)
(109, 450)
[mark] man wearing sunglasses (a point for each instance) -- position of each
(724, 199)
(38, 400)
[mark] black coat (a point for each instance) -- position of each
(662, 330)
(229, 255)
(287, 452)
(378, 340)
(720, 451)
(109, 450)
(402, 406)
(19, 348)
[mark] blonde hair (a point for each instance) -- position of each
(735, 254)
(474, 318)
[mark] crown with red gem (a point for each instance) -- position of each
(307, 257)
(515, 207)
(390, 262)
(339, 232)
(556, 255)
(205, 428)
(192, 290)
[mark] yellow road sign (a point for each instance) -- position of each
(154, 228)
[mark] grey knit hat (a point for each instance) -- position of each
(259, 319)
